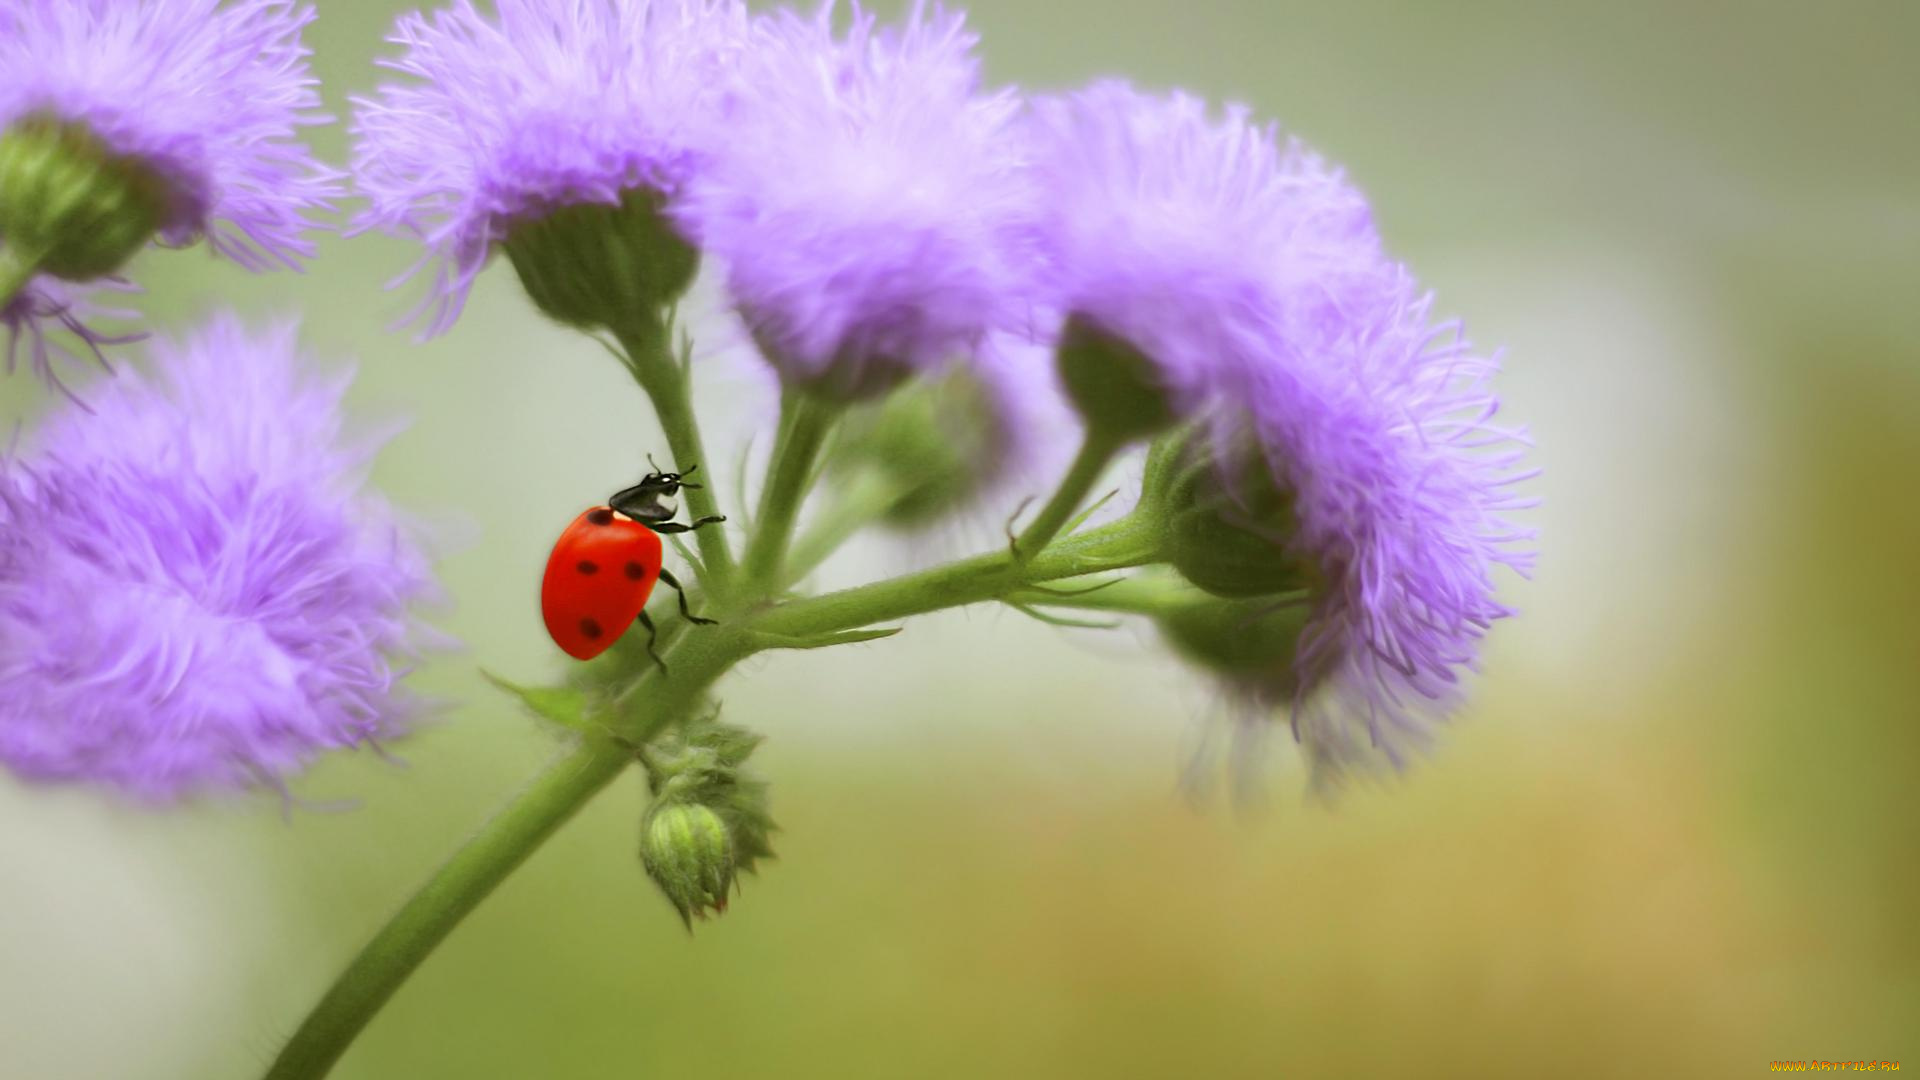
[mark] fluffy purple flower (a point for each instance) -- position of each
(206, 96)
(548, 103)
(44, 312)
(1384, 427)
(1176, 231)
(1250, 274)
(196, 593)
(867, 197)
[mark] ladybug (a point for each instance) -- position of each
(603, 568)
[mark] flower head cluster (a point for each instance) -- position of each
(1355, 454)
(543, 106)
(868, 198)
(205, 96)
(196, 594)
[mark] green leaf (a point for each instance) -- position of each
(564, 705)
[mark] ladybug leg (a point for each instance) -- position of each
(672, 527)
(653, 635)
(674, 584)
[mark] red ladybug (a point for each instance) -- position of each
(603, 568)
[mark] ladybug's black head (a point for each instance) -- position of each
(641, 502)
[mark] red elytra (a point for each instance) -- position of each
(598, 579)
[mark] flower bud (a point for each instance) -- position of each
(599, 265)
(709, 819)
(70, 206)
(1230, 526)
(935, 443)
(1116, 388)
(688, 851)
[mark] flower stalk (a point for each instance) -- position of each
(649, 356)
(805, 421)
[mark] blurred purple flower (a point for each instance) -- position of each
(196, 594)
(546, 104)
(867, 197)
(42, 310)
(207, 96)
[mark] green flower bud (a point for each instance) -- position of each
(688, 851)
(1115, 387)
(933, 443)
(1249, 644)
(1229, 524)
(598, 265)
(70, 206)
(699, 780)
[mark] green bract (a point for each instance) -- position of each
(596, 265)
(69, 206)
(1230, 526)
(1116, 388)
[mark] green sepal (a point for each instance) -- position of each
(1229, 523)
(599, 265)
(1251, 644)
(1117, 388)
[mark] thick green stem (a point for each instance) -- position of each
(660, 374)
(456, 889)
(1096, 453)
(804, 424)
(501, 845)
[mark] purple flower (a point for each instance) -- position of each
(1383, 425)
(548, 104)
(45, 304)
(866, 199)
(1250, 274)
(1176, 231)
(196, 594)
(205, 96)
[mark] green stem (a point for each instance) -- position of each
(864, 499)
(804, 424)
(502, 844)
(661, 375)
(1096, 453)
(1146, 593)
(1132, 541)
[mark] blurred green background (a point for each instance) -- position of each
(1677, 830)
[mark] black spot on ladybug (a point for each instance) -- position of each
(602, 516)
(591, 629)
(635, 571)
(588, 567)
